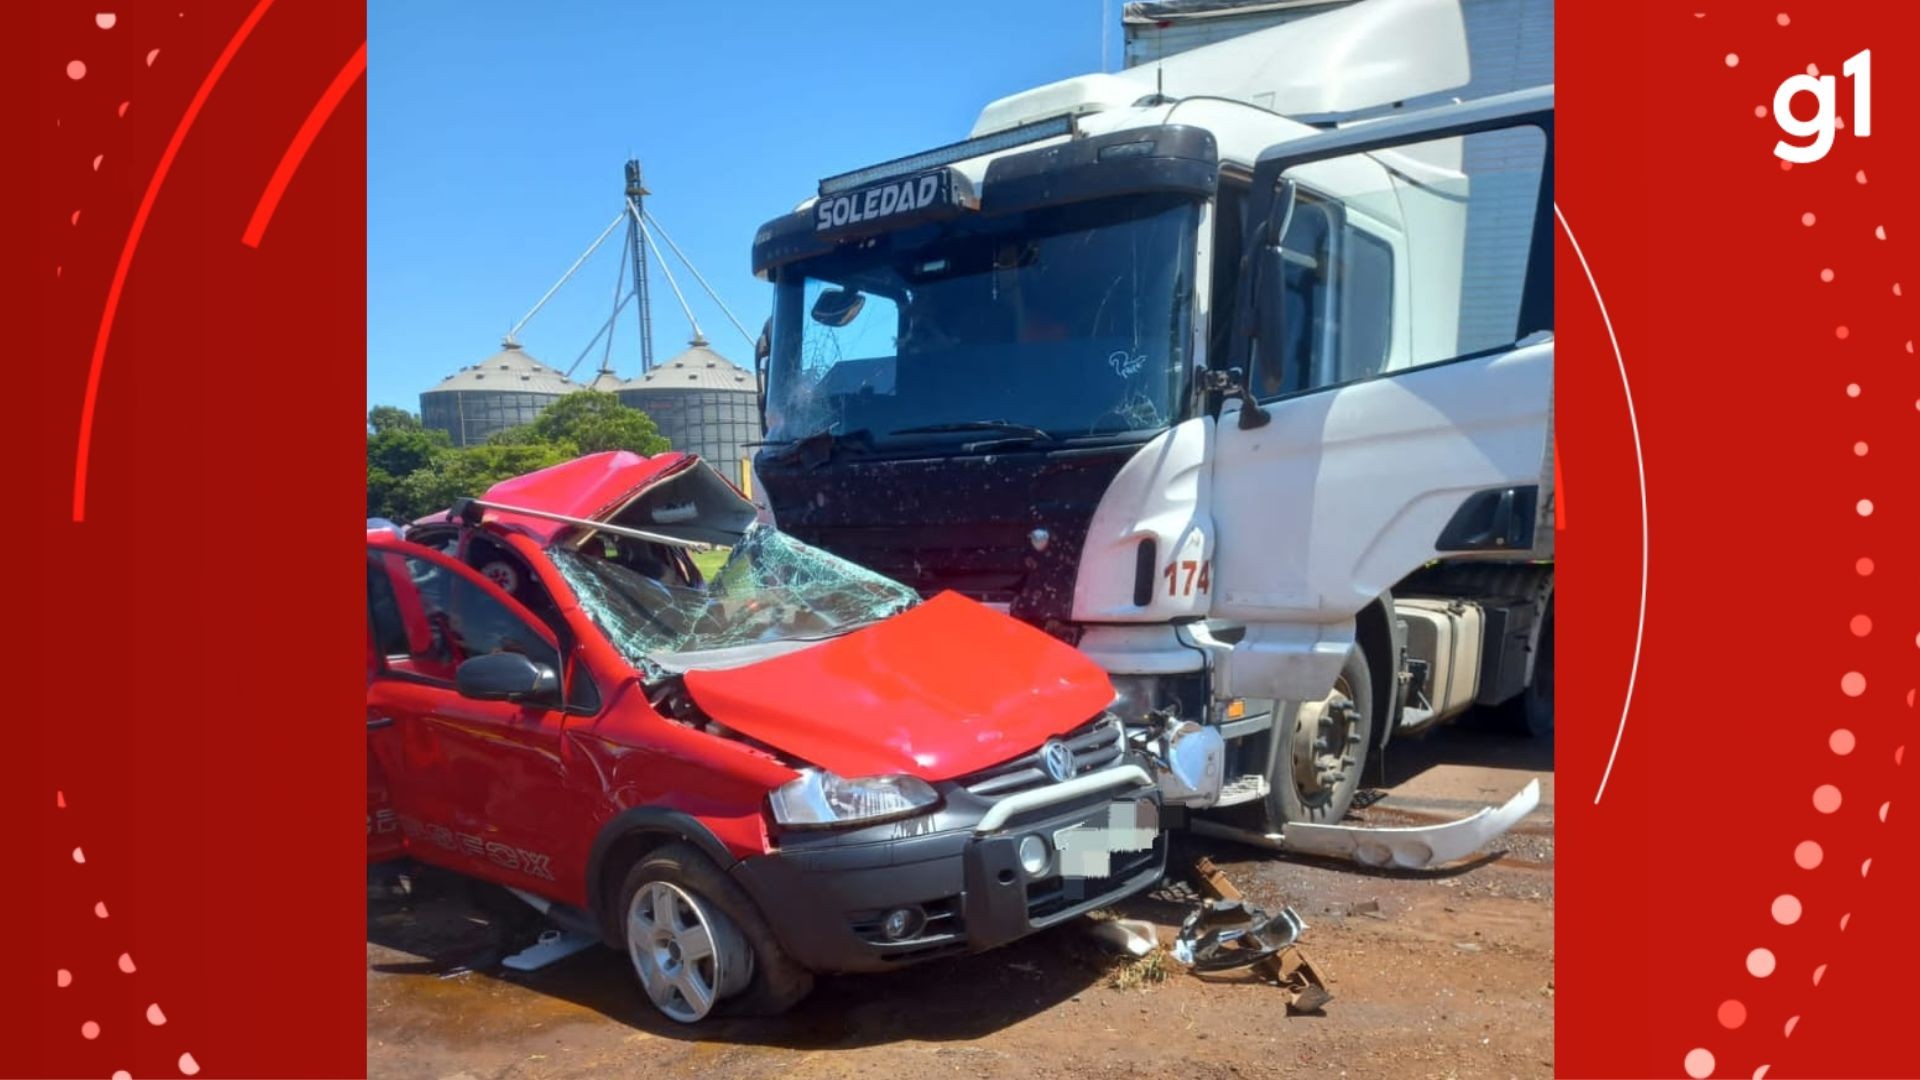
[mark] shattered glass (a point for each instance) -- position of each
(1065, 322)
(772, 588)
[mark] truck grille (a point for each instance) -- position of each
(1095, 746)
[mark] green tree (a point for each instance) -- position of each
(397, 446)
(413, 469)
(589, 421)
(454, 474)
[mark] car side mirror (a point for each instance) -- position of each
(838, 307)
(507, 676)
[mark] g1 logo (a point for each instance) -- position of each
(1820, 126)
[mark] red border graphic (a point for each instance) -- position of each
(1737, 904)
(185, 750)
(186, 755)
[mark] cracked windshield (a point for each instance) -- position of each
(1048, 324)
(772, 588)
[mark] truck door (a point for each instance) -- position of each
(1394, 326)
(477, 785)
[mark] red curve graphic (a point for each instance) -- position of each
(219, 68)
(296, 152)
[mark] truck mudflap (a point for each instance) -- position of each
(1408, 848)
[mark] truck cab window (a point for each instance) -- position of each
(1229, 240)
(1366, 304)
(1338, 304)
(1310, 325)
(1421, 259)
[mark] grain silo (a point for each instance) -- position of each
(702, 403)
(605, 381)
(505, 390)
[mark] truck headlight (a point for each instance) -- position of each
(818, 797)
(1134, 696)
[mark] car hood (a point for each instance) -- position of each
(938, 691)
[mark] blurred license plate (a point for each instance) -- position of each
(1086, 849)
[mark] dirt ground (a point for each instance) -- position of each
(1452, 977)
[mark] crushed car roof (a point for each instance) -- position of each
(586, 487)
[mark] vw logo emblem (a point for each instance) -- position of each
(1057, 759)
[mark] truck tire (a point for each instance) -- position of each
(1530, 712)
(1317, 770)
(697, 943)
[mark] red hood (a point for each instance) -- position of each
(940, 691)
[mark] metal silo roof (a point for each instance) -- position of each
(511, 370)
(699, 368)
(606, 382)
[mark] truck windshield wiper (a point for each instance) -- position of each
(1028, 430)
(821, 444)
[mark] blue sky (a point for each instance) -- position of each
(497, 132)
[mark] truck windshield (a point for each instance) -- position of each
(1046, 324)
(772, 588)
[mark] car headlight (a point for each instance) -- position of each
(819, 797)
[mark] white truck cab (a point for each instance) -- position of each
(1220, 369)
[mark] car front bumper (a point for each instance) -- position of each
(826, 895)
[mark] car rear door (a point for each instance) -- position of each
(1405, 400)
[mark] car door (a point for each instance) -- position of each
(480, 786)
(387, 638)
(1397, 341)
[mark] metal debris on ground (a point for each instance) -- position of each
(553, 945)
(1226, 932)
(1220, 935)
(1134, 937)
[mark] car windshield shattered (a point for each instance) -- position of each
(772, 588)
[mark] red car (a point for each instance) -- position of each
(797, 766)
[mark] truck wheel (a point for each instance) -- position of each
(1317, 770)
(696, 940)
(1531, 713)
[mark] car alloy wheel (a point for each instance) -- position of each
(687, 954)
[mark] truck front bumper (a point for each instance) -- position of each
(827, 897)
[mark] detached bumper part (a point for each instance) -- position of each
(1410, 848)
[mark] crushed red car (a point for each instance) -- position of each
(795, 766)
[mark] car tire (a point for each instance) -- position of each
(1315, 775)
(675, 898)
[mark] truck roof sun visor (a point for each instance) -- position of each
(1171, 158)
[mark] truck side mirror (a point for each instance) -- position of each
(1270, 330)
(762, 356)
(507, 676)
(1265, 276)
